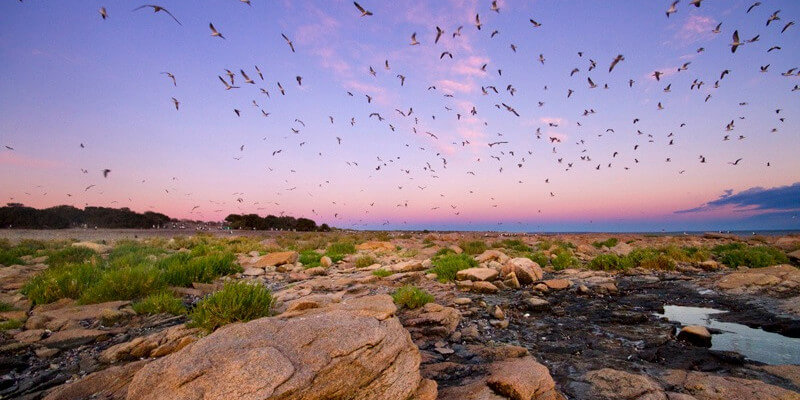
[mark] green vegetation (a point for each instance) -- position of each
(473, 247)
(446, 266)
(133, 270)
(341, 248)
(648, 258)
(69, 281)
(411, 297)
(611, 242)
(310, 258)
(236, 302)
(6, 307)
(7, 258)
(513, 246)
(365, 261)
(70, 255)
(160, 303)
(564, 259)
(253, 221)
(539, 258)
(10, 324)
(740, 254)
(609, 262)
(382, 273)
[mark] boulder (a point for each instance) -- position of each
(776, 280)
(526, 270)
(376, 246)
(622, 249)
(522, 379)
(73, 338)
(100, 248)
(325, 262)
(316, 271)
(483, 287)
(695, 334)
(407, 266)
(492, 255)
(557, 284)
(110, 383)
(795, 255)
(253, 271)
(477, 274)
(610, 384)
(157, 344)
(278, 258)
(432, 320)
(356, 349)
(705, 386)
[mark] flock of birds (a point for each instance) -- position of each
(503, 150)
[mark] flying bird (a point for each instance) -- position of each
(289, 42)
(103, 13)
(616, 61)
(157, 9)
(364, 12)
(214, 31)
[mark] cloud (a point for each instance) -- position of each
(696, 28)
(451, 86)
(781, 198)
(20, 160)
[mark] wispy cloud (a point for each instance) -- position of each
(781, 198)
(696, 28)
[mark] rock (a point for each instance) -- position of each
(787, 242)
(499, 323)
(44, 352)
(477, 274)
(427, 390)
(462, 301)
(522, 379)
(622, 249)
(73, 338)
(376, 246)
(110, 383)
(325, 262)
(526, 270)
(316, 271)
(709, 265)
(456, 249)
(795, 255)
(18, 315)
(558, 284)
(695, 334)
(253, 271)
(610, 384)
(776, 280)
(355, 349)
(157, 344)
(537, 304)
(497, 353)
(61, 313)
(277, 258)
(483, 287)
(583, 289)
(470, 332)
(512, 281)
(30, 336)
(492, 255)
(789, 372)
(432, 320)
(541, 287)
(100, 248)
(498, 313)
(705, 386)
(471, 390)
(407, 266)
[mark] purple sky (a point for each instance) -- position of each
(72, 78)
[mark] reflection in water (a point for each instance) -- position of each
(755, 344)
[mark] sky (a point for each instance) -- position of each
(82, 94)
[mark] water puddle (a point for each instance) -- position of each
(755, 344)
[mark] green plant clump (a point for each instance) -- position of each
(365, 261)
(382, 273)
(160, 303)
(68, 281)
(564, 259)
(309, 258)
(411, 297)
(740, 254)
(445, 267)
(609, 262)
(236, 302)
(124, 284)
(473, 247)
(539, 258)
(610, 242)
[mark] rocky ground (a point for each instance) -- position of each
(506, 329)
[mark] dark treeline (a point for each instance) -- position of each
(253, 221)
(16, 215)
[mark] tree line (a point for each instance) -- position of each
(16, 215)
(271, 222)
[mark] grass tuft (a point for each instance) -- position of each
(365, 261)
(236, 302)
(445, 267)
(610, 242)
(68, 281)
(382, 273)
(411, 297)
(740, 254)
(473, 247)
(160, 303)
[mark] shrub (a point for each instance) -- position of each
(236, 302)
(129, 253)
(609, 262)
(341, 248)
(182, 269)
(411, 297)
(539, 258)
(365, 261)
(382, 273)
(70, 255)
(8, 258)
(310, 258)
(444, 251)
(160, 303)
(445, 267)
(6, 307)
(124, 284)
(68, 281)
(739, 254)
(473, 247)
(515, 245)
(563, 259)
(611, 242)
(10, 324)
